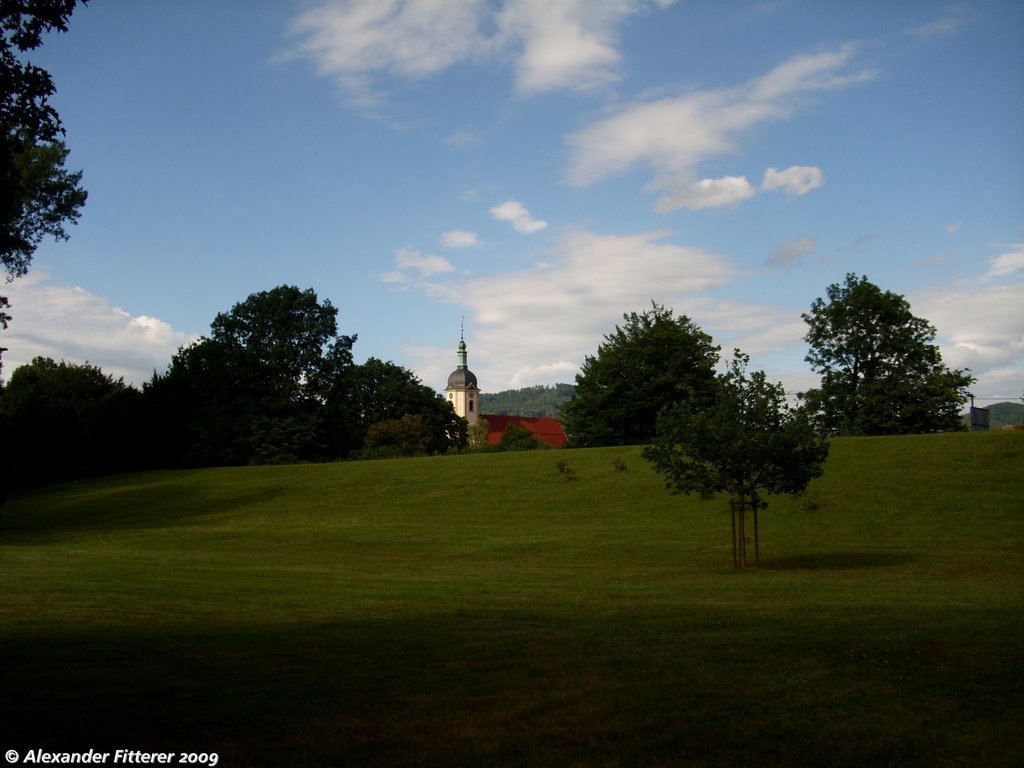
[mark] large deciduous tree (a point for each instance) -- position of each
(38, 196)
(747, 444)
(653, 360)
(880, 372)
(270, 384)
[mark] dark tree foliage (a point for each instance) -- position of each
(748, 443)
(38, 196)
(386, 392)
(397, 438)
(62, 421)
(651, 361)
(880, 372)
(518, 438)
(270, 384)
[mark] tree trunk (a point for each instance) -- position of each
(742, 535)
(757, 541)
(732, 514)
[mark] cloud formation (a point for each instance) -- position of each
(1007, 263)
(351, 41)
(424, 265)
(459, 238)
(949, 23)
(545, 320)
(567, 45)
(706, 193)
(513, 211)
(980, 328)
(553, 44)
(980, 325)
(792, 251)
(797, 180)
(673, 136)
(69, 323)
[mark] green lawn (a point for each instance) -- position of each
(482, 610)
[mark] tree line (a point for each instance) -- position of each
(881, 373)
(273, 382)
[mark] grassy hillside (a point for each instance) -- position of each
(481, 610)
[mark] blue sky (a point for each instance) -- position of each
(538, 166)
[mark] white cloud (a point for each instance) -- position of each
(674, 135)
(554, 44)
(954, 227)
(352, 41)
(706, 193)
(1007, 263)
(425, 265)
(568, 44)
(520, 218)
(757, 329)
(458, 238)
(980, 326)
(70, 323)
(544, 321)
(792, 251)
(949, 23)
(797, 180)
(536, 326)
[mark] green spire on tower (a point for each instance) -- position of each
(462, 342)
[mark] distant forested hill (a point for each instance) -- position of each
(529, 401)
(1004, 414)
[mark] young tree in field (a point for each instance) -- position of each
(37, 194)
(880, 372)
(749, 443)
(653, 360)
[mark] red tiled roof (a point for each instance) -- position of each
(547, 430)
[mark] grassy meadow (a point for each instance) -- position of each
(481, 610)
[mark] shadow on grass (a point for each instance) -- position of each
(838, 561)
(142, 505)
(477, 688)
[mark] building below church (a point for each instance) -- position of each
(463, 393)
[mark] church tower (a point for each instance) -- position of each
(462, 391)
